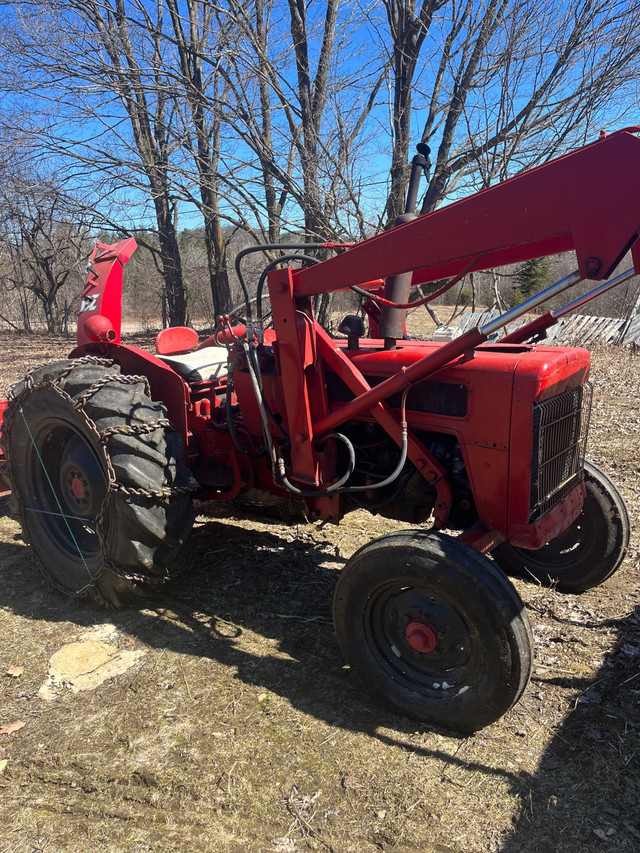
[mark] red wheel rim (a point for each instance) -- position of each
(421, 636)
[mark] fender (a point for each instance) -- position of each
(165, 384)
(99, 327)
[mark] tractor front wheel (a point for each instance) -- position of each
(97, 479)
(588, 553)
(433, 629)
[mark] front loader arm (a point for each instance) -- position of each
(587, 201)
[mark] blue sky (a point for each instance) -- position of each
(91, 117)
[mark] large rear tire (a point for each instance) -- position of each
(433, 629)
(588, 553)
(97, 480)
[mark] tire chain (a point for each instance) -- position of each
(103, 437)
(111, 379)
(128, 576)
(142, 429)
(28, 379)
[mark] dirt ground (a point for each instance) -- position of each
(221, 718)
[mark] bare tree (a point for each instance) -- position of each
(134, 70)
(194, 34)
(501, 85)
(272, 116)
(44, 250)
(312, 96)
(255, 87)
(523, 82)
(303, 84)
(407, 31)
(101, 70)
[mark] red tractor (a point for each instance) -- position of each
(486, 440)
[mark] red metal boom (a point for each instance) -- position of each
(587, 201)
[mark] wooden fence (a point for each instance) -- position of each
(577, 330)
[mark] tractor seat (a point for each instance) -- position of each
(175, 346)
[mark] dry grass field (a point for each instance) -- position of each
(221, 718)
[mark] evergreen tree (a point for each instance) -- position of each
(533, 276)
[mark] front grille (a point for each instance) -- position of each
(560, 427)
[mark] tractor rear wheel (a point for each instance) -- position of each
(433, 629)
(97, 479)
(588, 553)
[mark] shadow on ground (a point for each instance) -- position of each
(586, 792)
(259, 603)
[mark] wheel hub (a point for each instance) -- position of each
(78, 487)
(81, 480)
(421, 636)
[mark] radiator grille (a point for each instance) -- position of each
(560, 427)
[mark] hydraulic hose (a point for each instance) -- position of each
(257, 390)
(251, 454)
(270, 266)
(330, 490)
(275, 247)
(335, 487)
